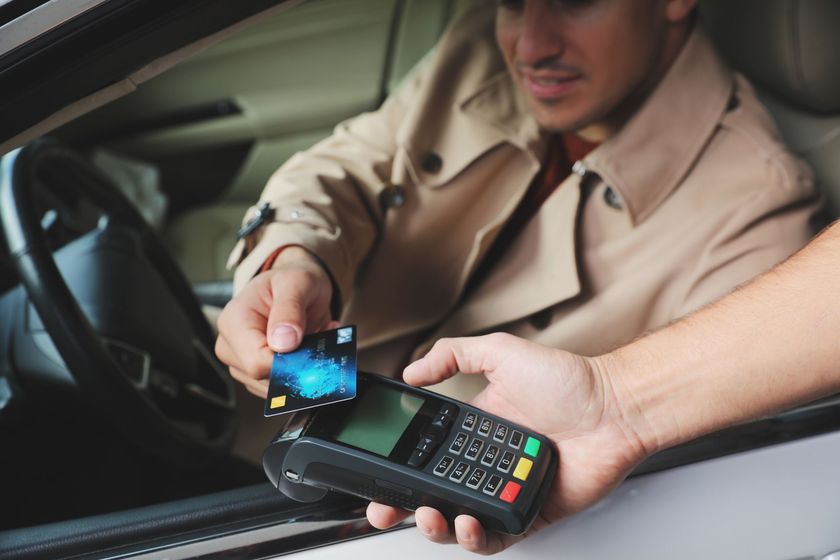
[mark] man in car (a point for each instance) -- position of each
(573, 172)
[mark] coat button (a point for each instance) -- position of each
(431, 163)
(541, 319)
(612, 199)
(392, 196)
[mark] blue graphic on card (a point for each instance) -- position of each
(321, 371)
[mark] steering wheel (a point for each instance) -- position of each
(118, 310)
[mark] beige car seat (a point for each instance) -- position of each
(790, 49)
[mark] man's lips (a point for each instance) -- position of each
(550, 85)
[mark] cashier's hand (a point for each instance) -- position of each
(561, 395)
(271, 314)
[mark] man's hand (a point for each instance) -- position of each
(271, 314)
(561, 395)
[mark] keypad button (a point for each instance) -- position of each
(492, 485)
(426, 444)
(515, 439)
(458, 443)
(506, 461)
(449, 410)
(510, 492)
(441, 422)
(490, 456)
(443, 466)
(469, 421)
(459, 472)
(532, 447)
(501, 433)
(485, 427)
(476, 478)
(475, 449)
(523, 468)
(418, 458)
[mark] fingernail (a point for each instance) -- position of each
(283, 337)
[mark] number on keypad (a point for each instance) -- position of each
(459, 472)
(476, 478)
(443, 466)
(458, 443)
(485, 427)
(506, 462)
(490, 456)
(469, 421)
(475, 448)
(501, 433)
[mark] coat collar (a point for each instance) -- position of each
(679, 118)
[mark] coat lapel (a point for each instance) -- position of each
(538, 270)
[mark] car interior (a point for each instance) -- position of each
(86, 464)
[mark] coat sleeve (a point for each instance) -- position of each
(326, 198)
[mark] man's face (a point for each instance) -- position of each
(581, 63)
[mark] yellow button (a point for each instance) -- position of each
(523, 467)
(278, 402)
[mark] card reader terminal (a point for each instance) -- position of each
(408, 447)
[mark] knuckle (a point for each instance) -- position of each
(252, 366)
(499, 338)
(441, 344)
(237, 375)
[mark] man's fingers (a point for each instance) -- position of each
(286, 324)
(293, 292)
(382, 516)
(452, 355)
(257, 387)
(253, 358)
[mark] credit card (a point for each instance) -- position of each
(321, 371)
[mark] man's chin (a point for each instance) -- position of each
(557, 119)
(558, 115)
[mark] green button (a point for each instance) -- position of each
(532, 447)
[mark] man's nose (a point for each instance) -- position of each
(540, 38)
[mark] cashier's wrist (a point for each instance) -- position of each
(635, 411)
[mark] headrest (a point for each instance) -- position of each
(789, 47)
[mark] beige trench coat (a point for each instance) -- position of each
(695, 195)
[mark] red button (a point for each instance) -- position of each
(510, 492)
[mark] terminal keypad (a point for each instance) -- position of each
(496, 460)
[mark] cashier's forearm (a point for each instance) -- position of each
(770, 345)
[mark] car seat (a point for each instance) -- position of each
(790, 50)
